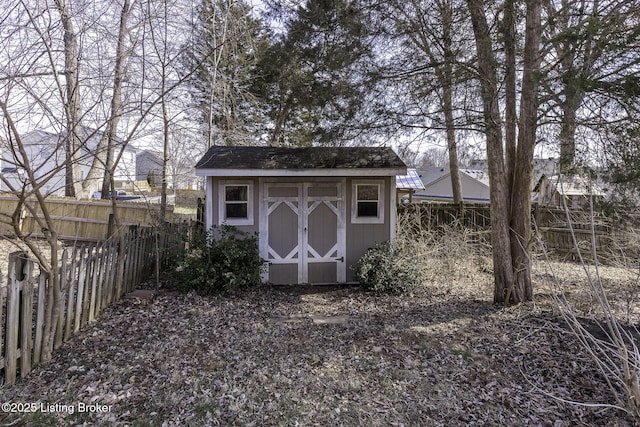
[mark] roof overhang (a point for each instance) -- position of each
(359, 172)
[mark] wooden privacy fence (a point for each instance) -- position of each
(76, 219)
(90, 281)
(556, 230)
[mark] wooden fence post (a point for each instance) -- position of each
(95, 289)
(42, 291)
(64, 278)
(71, 291)
(82, 269)
(87, 285)
(110, 227)
(26, 321)
(18, 322)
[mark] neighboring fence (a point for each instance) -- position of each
(76, 219)
(552, 223)
(435, 215)
(90, 281)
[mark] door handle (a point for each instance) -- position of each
(341, 259)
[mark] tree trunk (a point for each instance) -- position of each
(510, 199)
(500, 241)
(102, 164)
(510, 116)
(521, 191)
(282, 118)
(446, 80)
(116, 103)
(72, 108)
(452, 148)
(574, 96)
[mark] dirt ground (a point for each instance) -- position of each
(312, 356)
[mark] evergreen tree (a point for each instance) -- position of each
(315, 77)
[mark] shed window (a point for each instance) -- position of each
(236, 204)
(236, 200)
(367, 206)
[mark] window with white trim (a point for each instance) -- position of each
(236, 203)
(367, 202)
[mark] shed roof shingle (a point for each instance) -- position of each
(299, 158)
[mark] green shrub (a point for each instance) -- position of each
(388, 268)
(224, 260)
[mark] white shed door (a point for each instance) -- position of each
(304, 232)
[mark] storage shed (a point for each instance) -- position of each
(316, 210)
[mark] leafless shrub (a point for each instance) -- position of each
(439, 252)
(612, 346)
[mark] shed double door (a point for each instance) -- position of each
(305, 232)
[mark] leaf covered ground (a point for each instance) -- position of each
(324, 356)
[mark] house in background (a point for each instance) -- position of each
(407, 185)
(474, 181)
(149, 167)
(46, 155)
(179, 175)
(437, 185)
(573, 190)
(317, 210)
(541, 167)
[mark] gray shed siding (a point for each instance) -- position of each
(362, 237)
(358, 237)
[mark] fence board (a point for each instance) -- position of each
(71, 289)
(76, 219)
(3, 298)
(59, 322)
(13, 317)
(80, 290)
(26, 319)
(37, 346)
(95, 270)
(557, 226)
(89, 277)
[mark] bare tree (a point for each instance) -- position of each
(224, 43)
(434, 30)
(40, 82)
(164, 54)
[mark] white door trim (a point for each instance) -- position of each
(305, 206)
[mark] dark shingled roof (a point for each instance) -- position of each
(299, 158)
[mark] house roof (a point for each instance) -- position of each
(258, 161)
(479, 176)
(435, 174)
(153, 155)
(89, 137)
(410, 181)
(574, 185)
